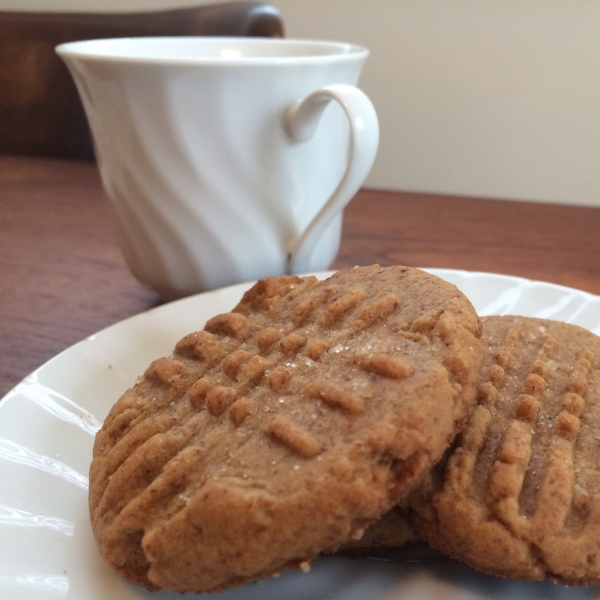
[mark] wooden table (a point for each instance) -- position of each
(62, 276)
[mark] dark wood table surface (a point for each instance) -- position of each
(62, 276)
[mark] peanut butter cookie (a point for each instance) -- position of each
(284, 428)
(519, 494)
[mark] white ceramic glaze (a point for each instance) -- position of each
(224, 159)
(48, 421)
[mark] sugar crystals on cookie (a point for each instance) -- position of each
(284, 427)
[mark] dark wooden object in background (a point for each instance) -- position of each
(62, 276)
(40, 110)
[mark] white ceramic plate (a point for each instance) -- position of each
(47, 424)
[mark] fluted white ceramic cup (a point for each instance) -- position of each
(225, 159)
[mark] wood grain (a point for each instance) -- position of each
(62, 276)
(548, 242)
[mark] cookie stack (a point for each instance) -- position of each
(301, 421)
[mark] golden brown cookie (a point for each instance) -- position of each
(284, 428)
(519, 494)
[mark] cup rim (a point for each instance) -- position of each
(98, 50)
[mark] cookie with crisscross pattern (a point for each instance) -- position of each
(284, 427)
(519, 494)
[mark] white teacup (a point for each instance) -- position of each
(223, 158)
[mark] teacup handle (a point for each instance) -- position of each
(302, 120)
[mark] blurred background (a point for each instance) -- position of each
(488, 98)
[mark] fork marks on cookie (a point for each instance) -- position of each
(335, 396)
(231, 324)
(380, 309)
(167, 371)
(532, 484)
(201, 345)
(198, 391)
(306, 309)
(219, 398)
(267, 337)
(299, 398)
(233, 362)
(387, 366)
(291, 343)
(520, 493)
(336, 310)
(294, 437)
(279, 378)
(241, 409)
(514, 453)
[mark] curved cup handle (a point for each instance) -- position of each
(302, 120)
